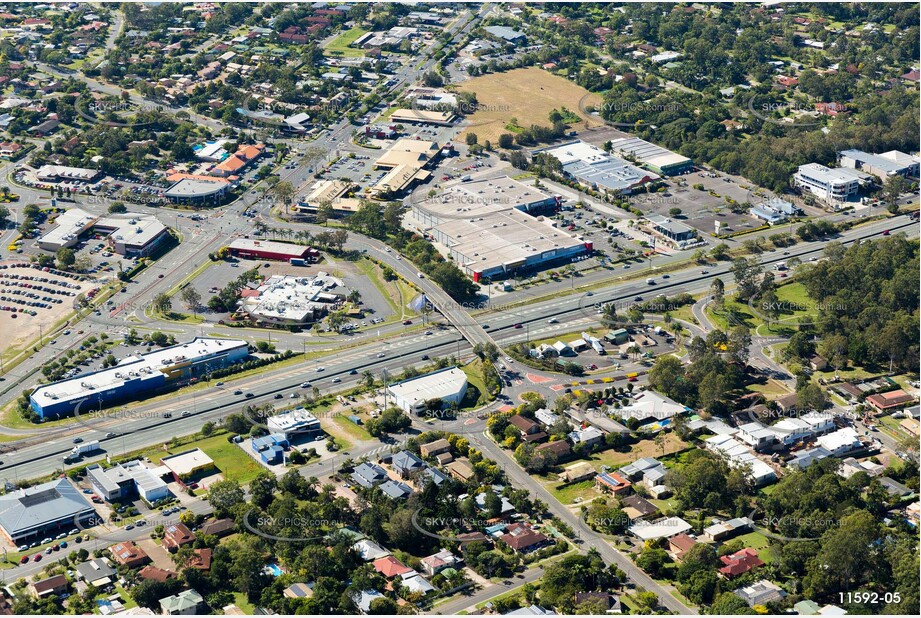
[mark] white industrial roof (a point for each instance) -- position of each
(147, 366)
(593, 165)
(648, 152)
(296, 299)
(436, 385)
(188, 462)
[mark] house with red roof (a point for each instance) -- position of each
(523, 538)
(388, 566)
(740, 562)
(893, 400)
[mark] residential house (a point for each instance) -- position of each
(637, 507)
(760, 593)
(461, 470)
(590, 436)
(406, 464)
(578, 472)
(438, 562)
(129, 554)
(218, 527)
(894, 488)
(887, 402)
(396, 490)
(679, 544)
(611, 602)
(298, 591)
(435, 448)
(560, 448)
(186, 603)
(50, 586)
(740, 562)
(722, 530)
(363, 599)
(613, 482)
(155, 573)
(368, 475)
(523, 538)
(369, 550)
(177, 535)
(96, 572)
(390, 567)
(530, 430)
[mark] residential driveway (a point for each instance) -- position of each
(159, 556)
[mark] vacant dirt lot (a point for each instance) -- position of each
(527, 95)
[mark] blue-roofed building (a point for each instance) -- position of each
(396, 490)
(368, 475)
(272, 455)
(774, 210)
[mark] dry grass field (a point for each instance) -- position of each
(528, 96)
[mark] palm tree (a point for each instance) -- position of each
(634, 350)
(368, 378)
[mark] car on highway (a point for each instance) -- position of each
(111, 434)
(78, 440)
(381, 355)
(886, 233)
(552, 321)
(305, 384)
(37, 558)
(425, 357)
(319, 369)
(278, 395)
(336, 380)
(186, 413)
(23, 560)
(238, 392)
(168, 415)
(705, 272)
(353, 372)
(249, 395)
(518, 326)
(407, 322)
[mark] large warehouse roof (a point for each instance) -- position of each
(135, 369)
(592, 165)
(28, 509)
(649, 154)
(437, 385)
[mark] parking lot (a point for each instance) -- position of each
(219, 274)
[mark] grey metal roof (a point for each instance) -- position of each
(34, 507)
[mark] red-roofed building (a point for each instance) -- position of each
(613, 482)
(388, 566)
(740, 562)
(912, 76)
(679, 544)
(155, 573)
(786, 81)
(523, 538)
(884, 402)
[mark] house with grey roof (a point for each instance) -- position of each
(396, 490)
(363, 599)
(368, 475)
(406, 463)
(96, 572)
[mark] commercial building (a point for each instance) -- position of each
(406, 161)
(137, 377)
(506, 34)
(44, 510)
(892, 163)
(196, 189)
(283, 299)
(424, 116)
(329, 192)
(127, 480)
(128, 235)
(449, 385)
(188, 464)
(671, 229)
(294, 423)
(595, 168)
(652, 157)
(59, 173)
(251, 249)
(774, 210)
(830, 185)
(495, 228)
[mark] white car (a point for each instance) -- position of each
(336, 380)
(321, 369)
(552, 321)
(381, 355)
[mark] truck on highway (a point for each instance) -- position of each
(80, 450)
